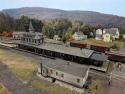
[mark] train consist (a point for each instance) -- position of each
(117, 57)
(98, 48)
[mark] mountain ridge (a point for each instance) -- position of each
(88, 17)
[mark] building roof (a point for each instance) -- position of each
(99, 57)
(38, 36)
(31, 28)
(79, 33)
(85, 53)
(99, 31)
(34, 35)
(19, 32)
(112, 31)
(66, 67)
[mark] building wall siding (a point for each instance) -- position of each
(69, 78)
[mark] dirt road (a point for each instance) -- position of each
(12, 83)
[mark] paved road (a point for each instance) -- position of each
(12, 83)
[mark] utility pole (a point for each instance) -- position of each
(110, 78)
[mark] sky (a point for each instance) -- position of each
(116, 7)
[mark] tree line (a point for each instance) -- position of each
(6, 23)
(62, 27)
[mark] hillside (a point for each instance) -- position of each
(87, 17)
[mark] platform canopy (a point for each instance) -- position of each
(73, 51)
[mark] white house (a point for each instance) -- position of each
(112, 33)
(79, 36)
(68, 72)
(99, 34)
(56, 37)
(123, 36)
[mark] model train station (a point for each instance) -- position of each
(72, 70)
(34, 41)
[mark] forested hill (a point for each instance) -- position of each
(87, 17)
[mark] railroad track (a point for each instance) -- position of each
(101, 74)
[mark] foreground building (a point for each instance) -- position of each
(64, 71)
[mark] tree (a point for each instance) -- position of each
(6, 22)
(38, 25)
(56, 27)
(22, 24)
(87, 30)
(76, 25)
(122, 30)
(68, 35)
(48, 31)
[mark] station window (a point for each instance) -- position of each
(51, 71)
(35, 41)
(62, 75)
(29, 40)
(56, 73)
(43, 71)
(23, 39)
(46, 71)
(39, 41)
(32, 40)
(78, 80)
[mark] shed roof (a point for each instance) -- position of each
(99, 57)
(66, 67)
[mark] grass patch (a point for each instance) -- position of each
(51, 88)
(3, 90)
(95, 87)
(24, 74)
(117, 45)
(92, 41)
(22, 66)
